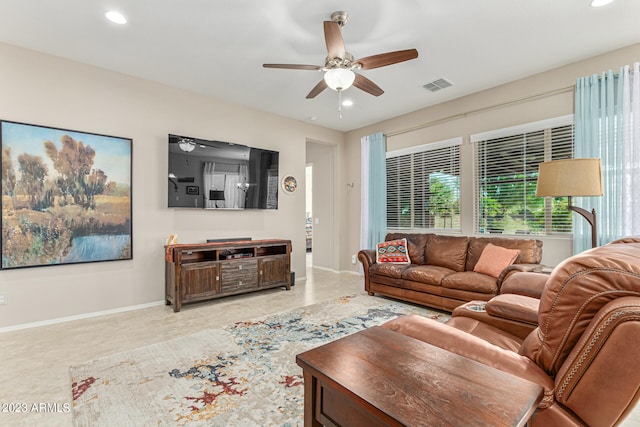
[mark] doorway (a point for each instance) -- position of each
(320, 188)
(309, 213)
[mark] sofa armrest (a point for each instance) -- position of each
(525, 283)
(516, 268)
(514, 318)
(475, 348)
(519, 308)
(367, 257)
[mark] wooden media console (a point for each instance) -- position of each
(203, 271)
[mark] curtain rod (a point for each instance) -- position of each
(616, 74)
(481, 110)
(246, 162)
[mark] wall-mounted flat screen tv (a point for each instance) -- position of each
(207, 174)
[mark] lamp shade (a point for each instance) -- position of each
(339, 78)
(570, 177)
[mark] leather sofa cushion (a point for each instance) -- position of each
(447, 251)
(388, 269)
(530, 249)
(459, 297)
(487, 332)
(415, 244)
(429, 274)
(471, 281)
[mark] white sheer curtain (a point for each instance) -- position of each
(631, 151)
(607, 122)
(208, 181)
(244, 173)
(244, 178)
(235, 192)
(233, 196)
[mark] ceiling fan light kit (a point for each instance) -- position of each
(339, 79)
(187, 145)
(340, 66)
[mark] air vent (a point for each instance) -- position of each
(437, 85)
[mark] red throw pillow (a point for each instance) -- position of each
(494, 259)
(393, 251)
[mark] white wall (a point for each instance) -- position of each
(466, 116)
(45, 90)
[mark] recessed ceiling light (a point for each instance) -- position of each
(116, 17)
(600, 3)
(312, 118)
(347, 103)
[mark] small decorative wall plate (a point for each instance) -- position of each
(289, 184)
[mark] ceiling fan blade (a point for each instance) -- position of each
(333, 38)
(363, 83)
(293, 66)
(388, 58)
(322, 85)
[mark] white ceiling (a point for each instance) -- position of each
(217, 47)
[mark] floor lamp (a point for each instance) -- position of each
(572, 177)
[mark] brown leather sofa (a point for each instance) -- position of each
(585, 350)
(441, 271)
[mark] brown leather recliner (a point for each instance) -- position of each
(585, 350)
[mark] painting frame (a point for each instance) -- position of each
(193, 190)
(65, 196)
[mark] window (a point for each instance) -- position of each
(506, 163)
(423, 186)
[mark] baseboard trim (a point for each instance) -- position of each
(357, 273)
(326, 269)
(337, 271)
(79, 317)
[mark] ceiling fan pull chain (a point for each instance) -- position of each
(340, 103)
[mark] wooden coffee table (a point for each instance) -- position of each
(377, 377)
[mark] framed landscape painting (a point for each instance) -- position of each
(66, 196)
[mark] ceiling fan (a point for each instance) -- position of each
(340, 66)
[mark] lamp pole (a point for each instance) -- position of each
(591, 219)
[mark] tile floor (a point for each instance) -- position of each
(34, 362)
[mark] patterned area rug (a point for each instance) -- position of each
(241, 375)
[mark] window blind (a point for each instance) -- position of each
(506, 177)
(423, 187)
